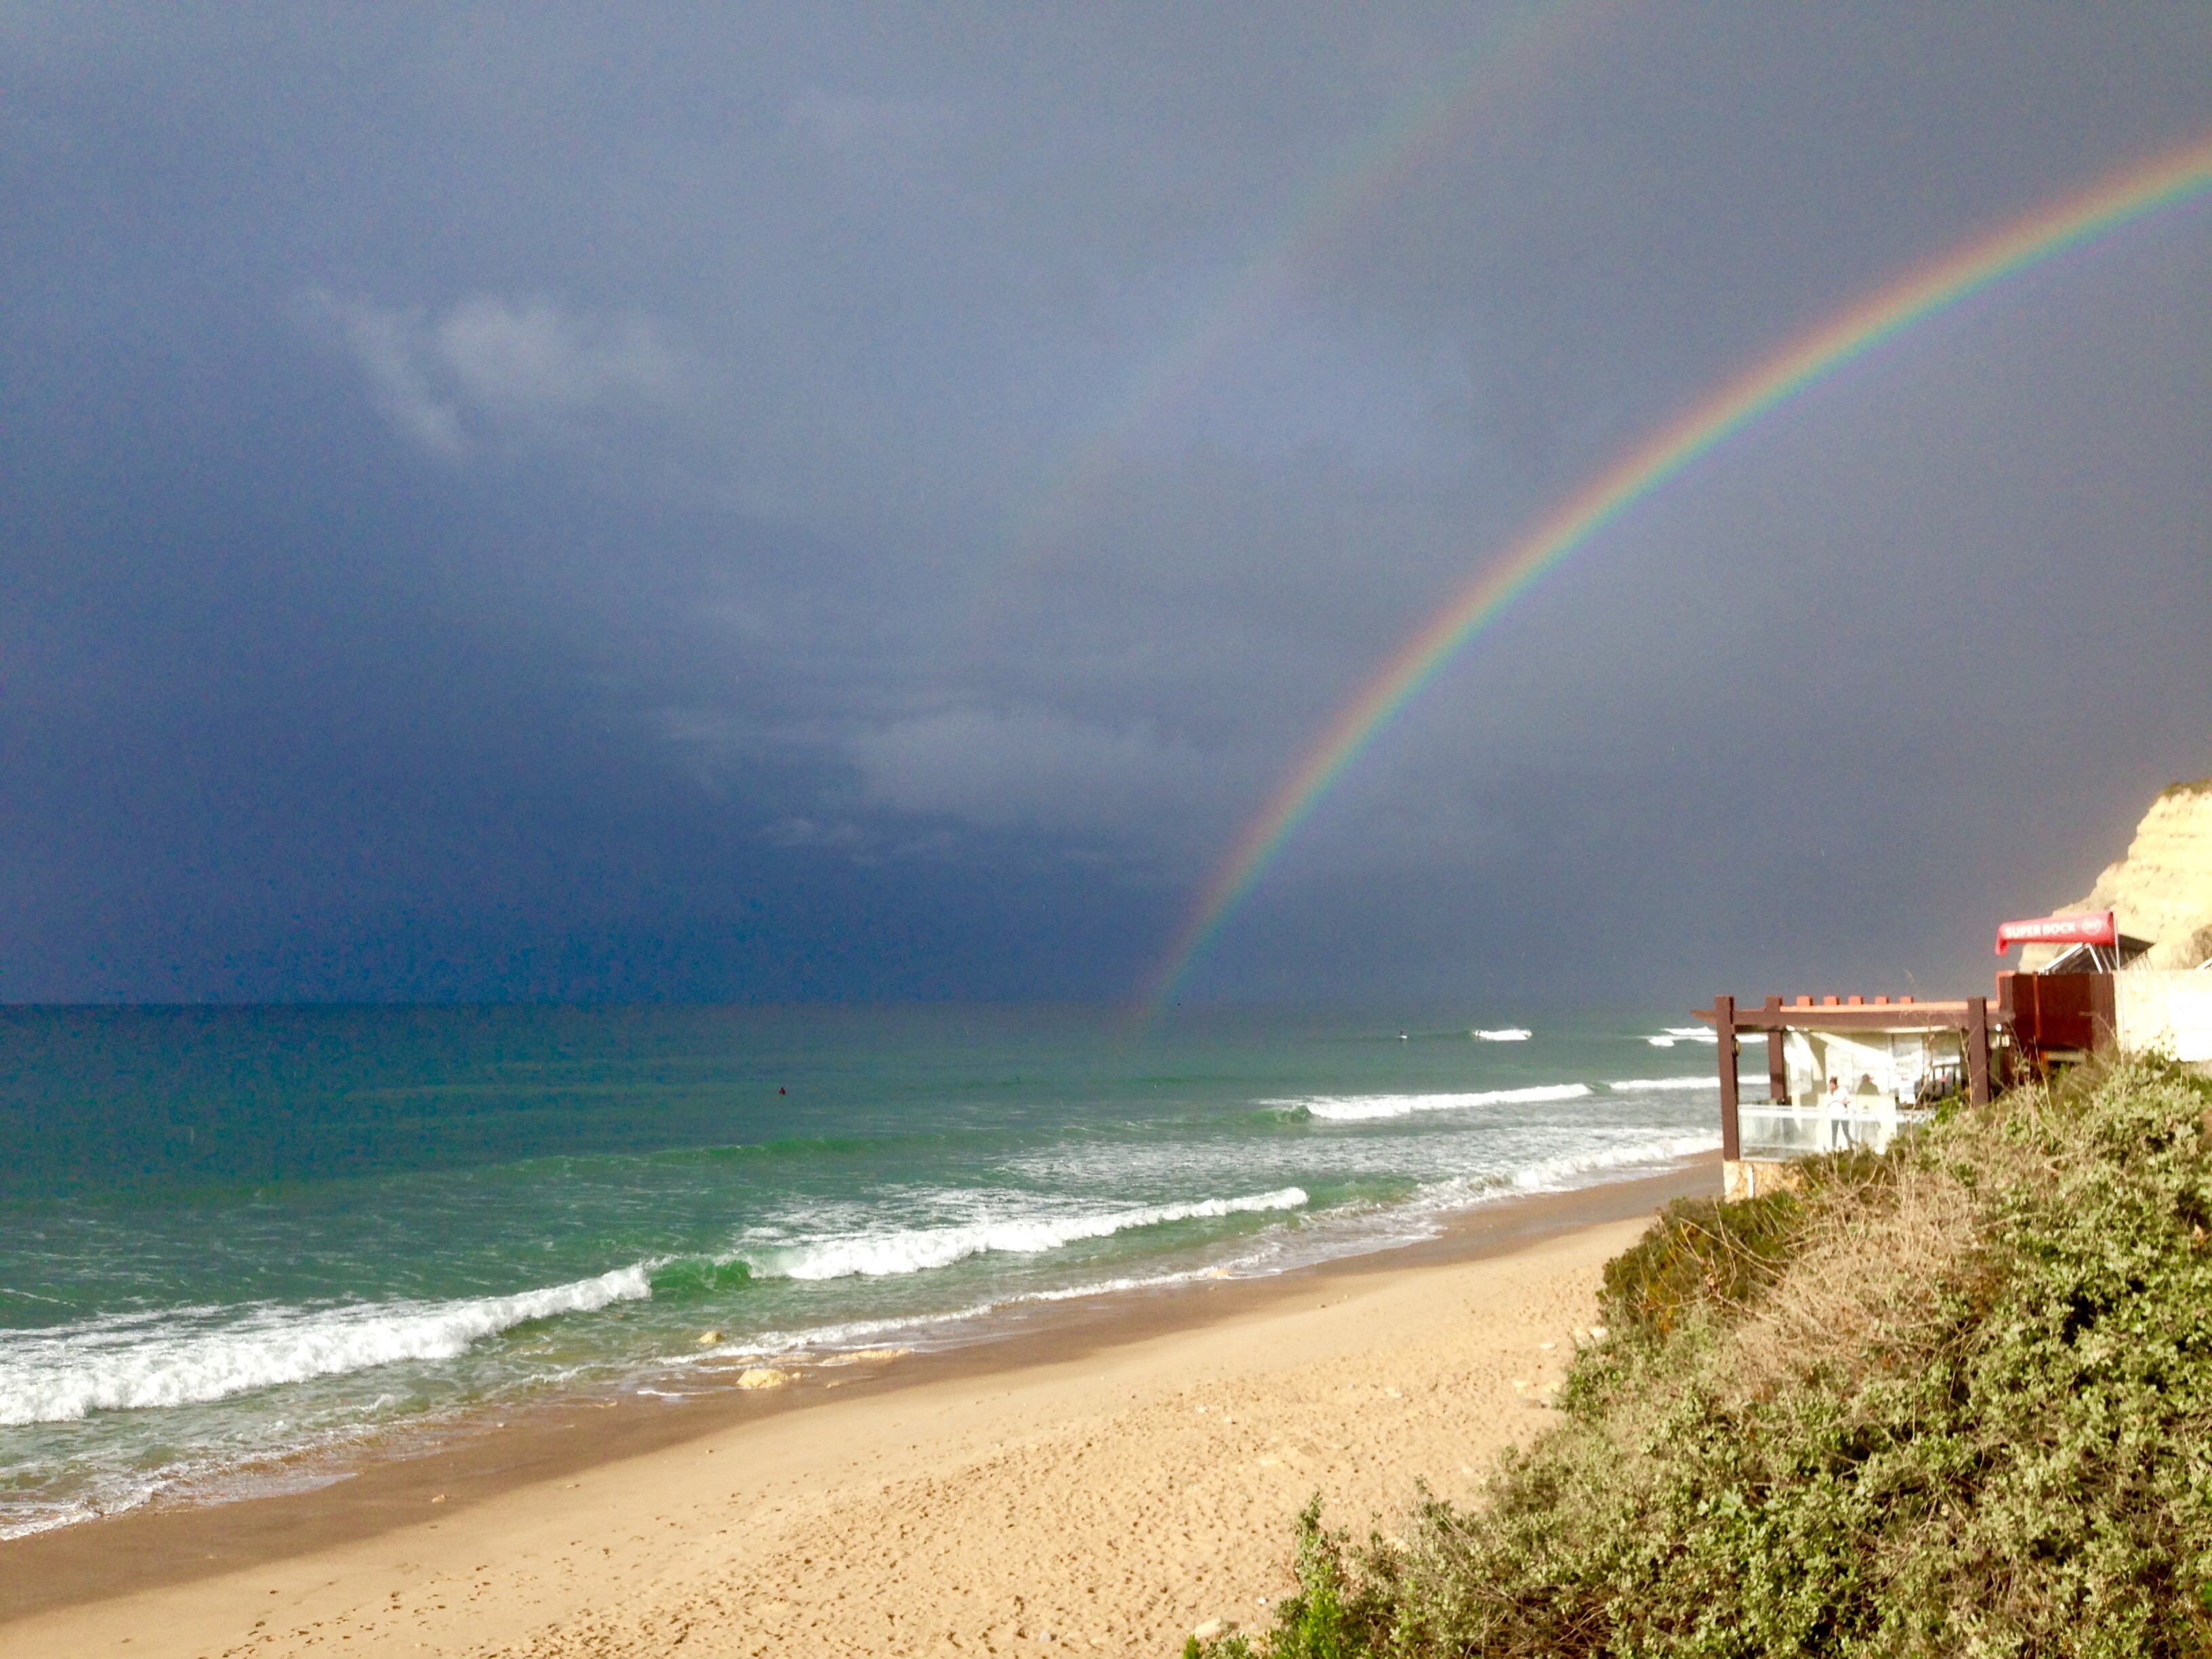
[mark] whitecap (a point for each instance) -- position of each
(1359, 1109)
(1569, 1170)
(192, 1354)
(917, 1249)
(1503, 1034)
(1640, 1084)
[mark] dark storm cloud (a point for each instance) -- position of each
(588, 504)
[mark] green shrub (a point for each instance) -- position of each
(1957, 1399)
(1700, 1251)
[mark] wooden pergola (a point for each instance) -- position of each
(1970, 1018)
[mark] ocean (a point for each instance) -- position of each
(242, 1249)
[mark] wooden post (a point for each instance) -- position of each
(1977, 1050)
(1724, 1025)
(1777, 1064)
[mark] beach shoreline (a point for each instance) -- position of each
(66, 1590)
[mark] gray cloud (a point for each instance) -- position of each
(853, 125)
(492, 367)
(780, 476)
(1035, 769)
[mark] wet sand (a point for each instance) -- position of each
(1106, 1476)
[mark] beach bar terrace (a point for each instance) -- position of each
(1841, 1071)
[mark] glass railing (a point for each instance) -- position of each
(1864, 1122)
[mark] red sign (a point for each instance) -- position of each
(2093, 928)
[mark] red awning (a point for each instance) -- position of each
(2091, 927)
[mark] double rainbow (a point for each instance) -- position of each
(2178, 176)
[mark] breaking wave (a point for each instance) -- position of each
(917, 1249)
(1360, 1109)
(1639, 1085)
(1668, 1036)
(1503, 1034)
(1571, 1170)
(188, 1355)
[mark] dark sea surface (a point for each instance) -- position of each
(237, 1245)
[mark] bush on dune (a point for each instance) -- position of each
(1957, 1399)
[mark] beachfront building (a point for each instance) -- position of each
(2092, 986)
(1840, 1073)
(2130, 963)
(1851, 1071)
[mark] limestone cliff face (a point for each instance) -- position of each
(2162, 890)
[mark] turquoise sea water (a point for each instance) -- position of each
(237, 1245)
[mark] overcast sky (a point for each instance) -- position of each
(782, 501)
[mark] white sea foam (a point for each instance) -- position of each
(189, 1355)
(917, 1249)
(1640, 1084)
(1573, 1169)
(1668, 1036)
(948, 1328)
(1353, 1231)
(1505, 1033)
(1359, 1109)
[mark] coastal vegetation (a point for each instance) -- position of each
(1956, 1399)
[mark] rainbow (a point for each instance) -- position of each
(1418, 125)
(2177, 177)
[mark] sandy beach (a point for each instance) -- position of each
(1103, 1485)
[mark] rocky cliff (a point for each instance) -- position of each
(2162, 890)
